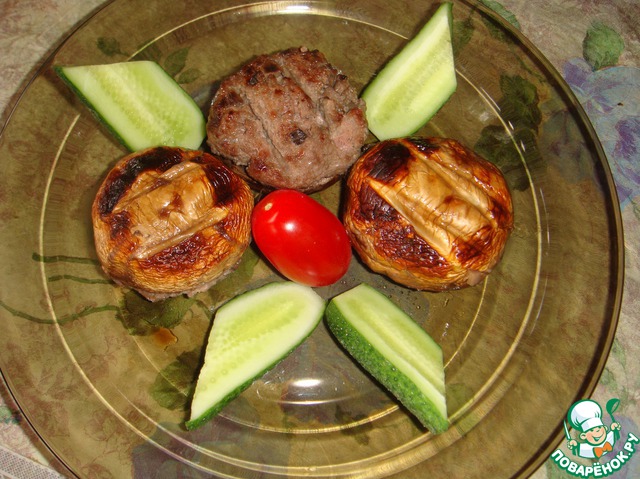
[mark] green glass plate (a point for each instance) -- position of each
(105, 378)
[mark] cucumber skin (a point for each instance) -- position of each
(199, 421)
(60, 72)
(444, 95)
(216, 408)
(384, 371)
(219, 406)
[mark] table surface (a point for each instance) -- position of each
(31, 29)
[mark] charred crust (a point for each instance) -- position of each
(394, 238)
(270, 67)
(222, 181)
(426, 146)
(230, 98)
(373, 208)
(177, 257)
(401, 243)
(389, 162)
(141, 244)
(112, 193)
(297, 136)
(225, 101)
(119, 224)
(460, 235)
(122, 177)
(253, 79)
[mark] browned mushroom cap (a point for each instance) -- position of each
(169, 221)
(428, 213)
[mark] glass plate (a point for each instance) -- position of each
(105, 378)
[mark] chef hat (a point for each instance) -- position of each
(585, 415)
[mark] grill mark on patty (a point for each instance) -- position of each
(265, 133)
(281, 75)
(296, 104)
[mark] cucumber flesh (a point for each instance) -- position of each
(415, 83)
(251, 334)
(139, 103)
(394, 349)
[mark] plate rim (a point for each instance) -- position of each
(617, 251)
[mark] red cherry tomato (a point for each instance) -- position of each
(301, 238)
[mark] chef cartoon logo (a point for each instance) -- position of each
(594, 440)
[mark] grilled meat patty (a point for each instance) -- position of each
(169, 221)
(288, 120)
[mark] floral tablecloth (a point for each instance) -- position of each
(594, 44)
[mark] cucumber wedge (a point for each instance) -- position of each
(415, 83)
(251, 334)
(139, 103)
(394, 349)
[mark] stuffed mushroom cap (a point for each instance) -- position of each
(428, 213)
(169, 221)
